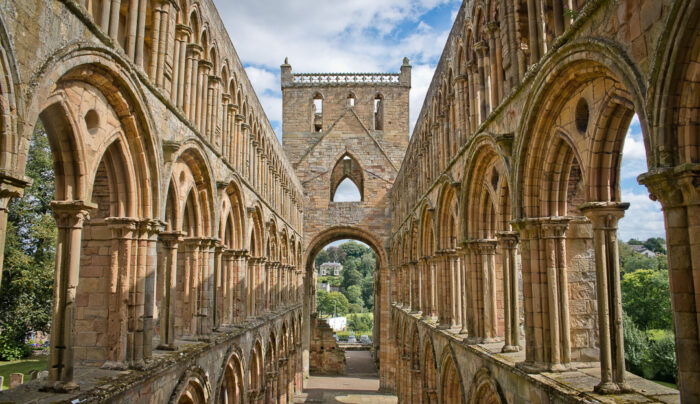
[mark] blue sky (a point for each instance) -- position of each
(375, 36)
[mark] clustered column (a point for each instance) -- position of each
(545, 290)
(508, 242)
(70, 217)
(604, 216)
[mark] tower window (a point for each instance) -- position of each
(351, 100)
(378, 112)
(317, 113)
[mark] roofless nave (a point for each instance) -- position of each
(185, 231)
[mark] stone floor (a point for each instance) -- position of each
(360, 385)
(583, 377)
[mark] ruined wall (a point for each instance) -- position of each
(325, 357)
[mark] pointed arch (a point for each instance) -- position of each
(347, 167)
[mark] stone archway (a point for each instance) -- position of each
(381, 289)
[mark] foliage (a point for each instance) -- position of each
(336, 254)
(655, 244)
(27, 285)
(635, 345)
(351, 277)
(367, 263)
(353, 249)
(354, 294)
(660, 361)
(355, 308)
(361, 322)
(334, 281)
(321, 258)
(331, 303)
(631, 260)
(646, 299)
(368, 291)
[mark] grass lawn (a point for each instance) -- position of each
(667, 384)
(24, 366)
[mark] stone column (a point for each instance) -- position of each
(153, 229)
(171, 241)
(546, 294)
(131, 28)
(508, 242)
(487, 256)
(604, 217)
(533, 31)
(492, 30)
(114, 19)
(141, 33)
(241, 285)
(70, 217)
(155, 38)
(177, 92)
(465, 302)
(481, 85)
(444, 290)
(203, 97)
(190, 80)
(220, 274)
(122, 229)
(678, 190)
(434, 286)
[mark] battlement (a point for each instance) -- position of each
(402, 79)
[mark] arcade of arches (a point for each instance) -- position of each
(186, 230)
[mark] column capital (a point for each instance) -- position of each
(11, 186)
(71, 214)
(508, 239)
(604, 215)
(183, 31)
(170, 238)
(484, 245)
(193, 49)
(673, 186)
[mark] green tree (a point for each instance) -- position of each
(361, 322)
(336, 254)
(354, 294)
(353, 249)
(656, 244)
(30, 248)
(322, 257)
(332, 303)
(646, 299)
(367, 263)
(368, 291)
(351, 276)
(631, 260)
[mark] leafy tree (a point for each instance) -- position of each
(368, 291)
(363, 322)
(631, 260)
(656, 244)
(322, 257)
(30, 248)
(353, 249)
(351, 277)
(355, 308)
(332, 303)
(367, 263)
(646, 299)
(336, 254)
(354, 294)
(635, 345)
(660, 360)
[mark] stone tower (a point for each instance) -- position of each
(347, 126)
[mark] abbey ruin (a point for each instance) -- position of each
(187, 231)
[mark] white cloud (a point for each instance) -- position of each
(643, 219)
(331, 36)
(347, 191)
(263, 80)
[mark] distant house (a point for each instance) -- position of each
(330, 269)
(642, 250)
(325, 286)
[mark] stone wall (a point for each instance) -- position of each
(325, 357)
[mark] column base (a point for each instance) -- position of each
(530, 367)
(167, 347)
(60, 387)
(606, 388)
(510, 348)
(114, 365)
(138, 365)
